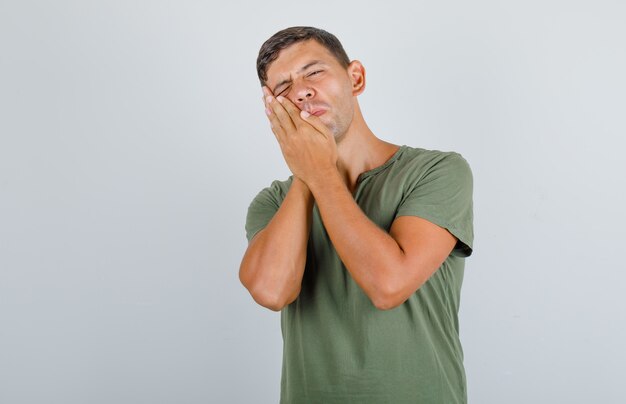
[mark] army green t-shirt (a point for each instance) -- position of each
(337, 346)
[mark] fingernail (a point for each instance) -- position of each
(304, 114)
(280, 99)
(268, 111)
(268, 98)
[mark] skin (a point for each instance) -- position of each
(326, 154)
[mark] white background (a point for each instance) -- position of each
(133, 139)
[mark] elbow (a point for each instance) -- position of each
(387, 303)
(391, 292)
(266, 296)
(269, 304)
(272, 301)
(388, 298)
(263, 292)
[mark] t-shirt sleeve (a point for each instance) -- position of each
(443, 196)
(263, 207)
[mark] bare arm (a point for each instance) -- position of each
(389, 267)
(273, 264)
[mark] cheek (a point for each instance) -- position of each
(336, 88)
(338, 95)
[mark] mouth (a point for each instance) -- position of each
(318, 112)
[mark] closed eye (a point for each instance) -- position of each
(283, 92)
(308, 75)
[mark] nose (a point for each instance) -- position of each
(303, 94)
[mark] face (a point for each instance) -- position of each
(312, 78)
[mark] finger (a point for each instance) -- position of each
(279, 135)
(266, 92)
(279, 113)
(275, 125)
(316, 122)
(292, 110)
(278, 126)
(277, 129)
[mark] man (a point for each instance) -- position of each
(362, 248)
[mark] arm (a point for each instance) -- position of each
(273, 264)
(389, 267)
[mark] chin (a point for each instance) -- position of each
(339, 136)
(338, 132)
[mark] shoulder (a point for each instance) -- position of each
(439, 188)
(417, 155)
(423, 162)
(264, 205)
(275, 191)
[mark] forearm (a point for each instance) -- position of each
(274, 262)
(371, 255)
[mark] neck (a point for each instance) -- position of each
(359, 150)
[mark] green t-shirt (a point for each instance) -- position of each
(337, 346)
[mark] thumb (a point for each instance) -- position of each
(314, 121)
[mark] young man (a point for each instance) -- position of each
(362, 248)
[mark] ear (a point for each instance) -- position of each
(356, 71)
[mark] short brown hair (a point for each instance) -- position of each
(282, 39)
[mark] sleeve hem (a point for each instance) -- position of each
(465, 248)
(250, 235)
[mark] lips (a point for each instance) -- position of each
(315, 111)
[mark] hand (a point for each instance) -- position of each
(307, 145)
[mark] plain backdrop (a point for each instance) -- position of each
(133, 139)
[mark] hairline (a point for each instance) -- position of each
(304, 40)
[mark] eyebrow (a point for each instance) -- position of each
(303, 68)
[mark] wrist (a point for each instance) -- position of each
(300, 187)
(324, 178)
